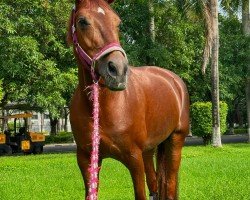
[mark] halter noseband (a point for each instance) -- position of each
(84, 57)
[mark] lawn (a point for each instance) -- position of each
(206, 173)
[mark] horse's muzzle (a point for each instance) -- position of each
(114, 70)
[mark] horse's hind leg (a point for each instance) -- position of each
(150, 174)
(168, 162)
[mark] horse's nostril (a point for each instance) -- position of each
(125, 70)
(112, 69)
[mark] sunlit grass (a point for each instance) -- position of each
(206, 173)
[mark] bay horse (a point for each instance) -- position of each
(143, 110)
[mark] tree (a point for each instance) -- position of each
(246, 31)
(216, 141)
(233, 69)
(208, 10)
(34, 58)
(232, 6)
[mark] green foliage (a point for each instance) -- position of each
(11, 126)
(240, 131)
(234, 50)
(223, 117)
(201, 119)
(62, 137)
(36, 63)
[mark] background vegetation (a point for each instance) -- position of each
(37, 66)
(201, 123)
(206, 174)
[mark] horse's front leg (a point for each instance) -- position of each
(134, 162)
(150, 174)
(83, 160)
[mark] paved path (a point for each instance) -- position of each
(226, 139)
(190, 141)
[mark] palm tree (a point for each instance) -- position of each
(152, 20)
(208, 10)
(216, 141)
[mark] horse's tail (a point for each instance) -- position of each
(161, 170)
(168, 162)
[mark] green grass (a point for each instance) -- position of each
(206, 173)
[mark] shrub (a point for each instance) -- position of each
(240, 131)
(201, 115)
(62, 137)
(11, 126)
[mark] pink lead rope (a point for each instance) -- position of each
(95, 137)
(94, 160)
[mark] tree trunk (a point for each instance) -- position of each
(152, 20)
(53, 125)
(246, 17)
(216, 139)
(246, 31)
(151, 28)
(231, 122)
(66, 113)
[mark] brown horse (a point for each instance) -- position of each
(141, 109)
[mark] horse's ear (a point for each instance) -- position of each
(110, 1)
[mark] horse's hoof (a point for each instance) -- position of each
(153, 196)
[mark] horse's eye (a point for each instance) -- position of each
(83, 22)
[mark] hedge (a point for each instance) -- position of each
(201, 119)
(62, 137)
(240, 131)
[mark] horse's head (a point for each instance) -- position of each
(96, 31)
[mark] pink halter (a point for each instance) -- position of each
(84, 57)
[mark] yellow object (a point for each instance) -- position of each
(24, 115)
(37, 137)
(25, 145)
(2, 138)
